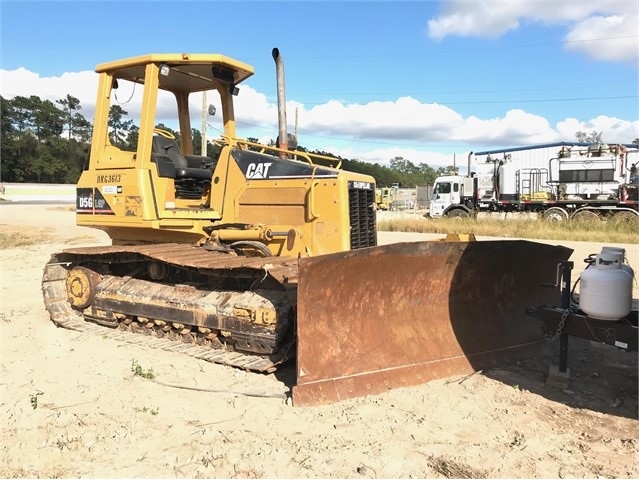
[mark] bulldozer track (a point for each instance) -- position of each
(64, 315)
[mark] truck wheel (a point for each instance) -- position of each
(555, 214)
(625, 218)
(585, 216)
(458, 214)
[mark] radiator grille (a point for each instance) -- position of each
(363, 222)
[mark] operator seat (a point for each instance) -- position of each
(169, 148)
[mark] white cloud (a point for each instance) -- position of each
(374, 132)
(81, 85)
(517, 127)
(614, 130)
(620, 32)
(404, 118)
(416, 156)
(614, 23)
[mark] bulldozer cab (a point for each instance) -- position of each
(128, 140)
(147, 180)
(165, 84)
(165, 87)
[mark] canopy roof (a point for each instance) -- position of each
(188, 72)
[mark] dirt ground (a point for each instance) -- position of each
(72, 406)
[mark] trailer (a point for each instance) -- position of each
(603, 311)
(559, 182)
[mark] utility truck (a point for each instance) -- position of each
(576, 181)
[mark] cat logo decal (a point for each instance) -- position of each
(258, 170)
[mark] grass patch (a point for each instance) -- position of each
(63, 208)
(581, 231)
(80, 240)
(14, 236)
(11, 237)
(451, 469)
(152, 411)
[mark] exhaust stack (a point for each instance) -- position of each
(281, 100)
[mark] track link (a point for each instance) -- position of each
(64, 315)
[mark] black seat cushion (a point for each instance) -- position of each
(169, 148)
(194, 173)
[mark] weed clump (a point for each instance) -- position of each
(138, 371)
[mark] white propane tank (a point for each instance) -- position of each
(624, 266)
(606, 288)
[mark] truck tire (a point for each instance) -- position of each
(458, 213)
(555, 214)
(585, 215)
(625, 218)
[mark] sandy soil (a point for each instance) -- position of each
(71, 405)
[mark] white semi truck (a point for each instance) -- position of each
(558, 181)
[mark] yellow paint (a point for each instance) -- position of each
(146, 204)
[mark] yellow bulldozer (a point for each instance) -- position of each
(384, 197)
(258, 255)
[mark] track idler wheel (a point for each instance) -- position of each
(81, 286)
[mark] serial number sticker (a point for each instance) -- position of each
(110, 178)
(111, 189)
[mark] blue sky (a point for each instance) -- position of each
(372, 80)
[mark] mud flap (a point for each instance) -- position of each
(402, 314)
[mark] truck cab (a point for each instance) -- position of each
(453, 196)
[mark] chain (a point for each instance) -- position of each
(562, 324)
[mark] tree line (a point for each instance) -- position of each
(49, 142)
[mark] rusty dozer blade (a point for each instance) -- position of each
(402, 314)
